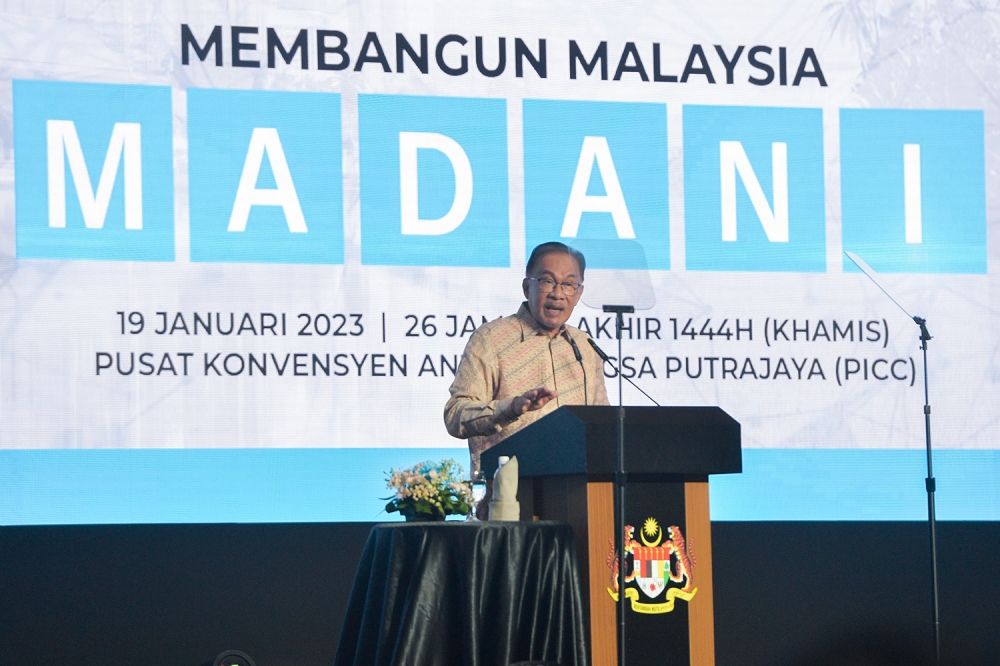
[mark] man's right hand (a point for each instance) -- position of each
(531, 400)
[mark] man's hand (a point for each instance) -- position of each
(531, 400)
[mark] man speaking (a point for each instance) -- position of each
(517, 369)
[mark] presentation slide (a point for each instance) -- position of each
(243, 246)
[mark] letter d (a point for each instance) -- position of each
(412, 225)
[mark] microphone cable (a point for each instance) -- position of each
(607, 359)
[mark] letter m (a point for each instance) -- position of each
(732, 159)
(576, 55)
(63, 141)
(214, 40)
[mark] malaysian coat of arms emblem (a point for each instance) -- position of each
(660, 570)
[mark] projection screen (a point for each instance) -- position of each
(242, 247)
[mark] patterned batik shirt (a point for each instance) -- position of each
(503, 359)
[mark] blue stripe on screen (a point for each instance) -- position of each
(87, 486)
(858, 484)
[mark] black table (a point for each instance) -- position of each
(465, 594)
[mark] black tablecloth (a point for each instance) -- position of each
(465, 594)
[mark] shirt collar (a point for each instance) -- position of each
(529, 326)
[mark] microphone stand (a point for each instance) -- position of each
(620, 483)
(931, 487)
(929, 482)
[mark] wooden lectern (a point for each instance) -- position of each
(567, 462)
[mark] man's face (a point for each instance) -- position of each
(553, 309)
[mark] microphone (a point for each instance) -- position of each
(579, 358)
(607, 359)
(600, 352)
(576, 350)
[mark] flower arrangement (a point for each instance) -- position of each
(429, 491)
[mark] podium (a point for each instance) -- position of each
(567, 462)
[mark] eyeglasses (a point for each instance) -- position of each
(548, 285)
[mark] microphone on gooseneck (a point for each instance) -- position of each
(576, 350)
(607, 359)
(579, 358)
(600, 352)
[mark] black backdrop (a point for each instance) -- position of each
(177, 595)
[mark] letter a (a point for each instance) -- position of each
(412, 225)
(62, 139)
(265, 140)
(733, 158)
(613, 201)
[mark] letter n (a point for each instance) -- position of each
(733, 158)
